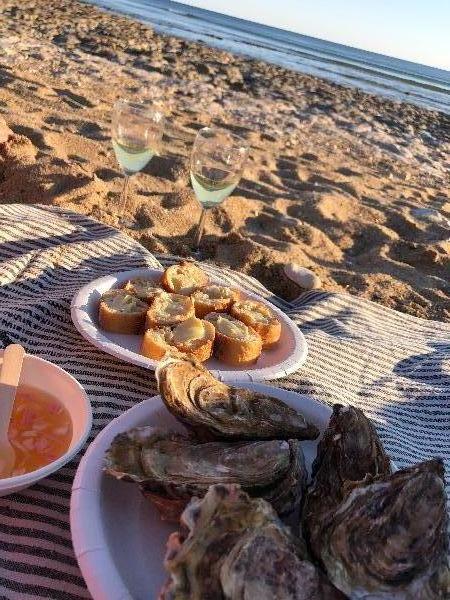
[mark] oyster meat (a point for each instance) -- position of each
(234, 547)
(389, 539)
(214, 410)
(171, 468)
(349, 453)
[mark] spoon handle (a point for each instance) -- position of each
(9, 379)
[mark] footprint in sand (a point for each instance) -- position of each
(342, 186)
(36, 136)
(309, 156)
(93, 131)
(423, 256)
(78, 159)
(431, 216)
(107, 174)
(348, 172)
(65, 123)
(74, 100)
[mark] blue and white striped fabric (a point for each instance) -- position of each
(393, 366)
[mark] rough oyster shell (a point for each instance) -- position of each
(214, 410)
(171, 468)
(248, 570)
(349, 453)
(389, 539)
(216, 556)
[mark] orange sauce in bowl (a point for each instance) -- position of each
(40, 429)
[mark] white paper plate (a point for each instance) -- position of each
(118, 537)
(285, 358)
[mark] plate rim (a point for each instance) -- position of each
(92, 557)
(88, 330)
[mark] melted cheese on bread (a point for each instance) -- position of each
(189, 330)
(232, 328)
(122, 301)
(172, 305)
(183, 278)
(214, 292)
(145, 289)
(255, 311)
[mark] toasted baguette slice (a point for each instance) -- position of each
(213, 298)
(183, 278)
(144, 289)
(259, 317)
(156, 342)
(121, 312)
(235, 343)
(195, 337)
(169, 310)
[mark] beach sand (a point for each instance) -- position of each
(349, 185)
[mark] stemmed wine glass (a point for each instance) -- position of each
(137, 131)
(217, 161)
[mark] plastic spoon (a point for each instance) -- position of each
(9, 379)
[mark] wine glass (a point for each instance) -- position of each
(136, 134)
(217, 161)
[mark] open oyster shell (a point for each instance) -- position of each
(235, 547)
(349, 453)
(214, 410)
(171, 468)
(389, 539)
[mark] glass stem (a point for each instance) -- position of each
(124, 194)
(200, 228)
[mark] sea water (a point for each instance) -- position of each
(390, 77)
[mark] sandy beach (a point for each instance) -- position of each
(352, 186)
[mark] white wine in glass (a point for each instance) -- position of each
(136, 135)
(130, 155)
(212, 189)
(217, 161)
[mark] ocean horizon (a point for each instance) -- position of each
(392, 78)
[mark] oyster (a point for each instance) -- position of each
(389, 539)
(248, 570)
(235, 547)
(214, 410)
(349, 453)
(171, 468)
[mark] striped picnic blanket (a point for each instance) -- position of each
(395, 367)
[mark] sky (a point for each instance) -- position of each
(416, 30)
